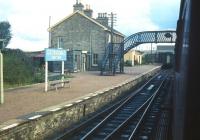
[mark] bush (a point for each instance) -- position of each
(39, 75)
(128, 63)
(18, 68)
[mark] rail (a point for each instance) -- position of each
(124, 111)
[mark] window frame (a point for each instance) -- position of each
(94, 59)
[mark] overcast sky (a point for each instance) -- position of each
(29, 19)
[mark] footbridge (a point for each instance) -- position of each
(113, 60)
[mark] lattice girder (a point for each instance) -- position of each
(134, 40)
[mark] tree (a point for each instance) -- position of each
(5, 33)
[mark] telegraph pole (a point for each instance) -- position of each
(1, 75)
(111, 52)
(49, 31)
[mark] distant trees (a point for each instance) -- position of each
(5, 33)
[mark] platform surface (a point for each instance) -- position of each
(24, 100)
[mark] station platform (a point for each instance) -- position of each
(31, 98)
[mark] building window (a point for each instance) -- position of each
(60, 42)
(76, 58)
(109, 38)
(95, 59)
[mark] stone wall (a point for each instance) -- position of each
(46, 123)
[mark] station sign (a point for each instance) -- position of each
(55, 55)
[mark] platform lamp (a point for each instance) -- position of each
(1, 73)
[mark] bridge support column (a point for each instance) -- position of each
(122, 59)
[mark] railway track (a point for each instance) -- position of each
(122, 120)
(148, 127)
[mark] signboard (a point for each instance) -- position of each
(55, 55)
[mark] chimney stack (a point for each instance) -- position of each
(78, 6)
(102, 18)
(88, 12)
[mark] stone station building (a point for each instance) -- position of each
(84, 38)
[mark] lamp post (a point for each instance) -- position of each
(1, 75)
